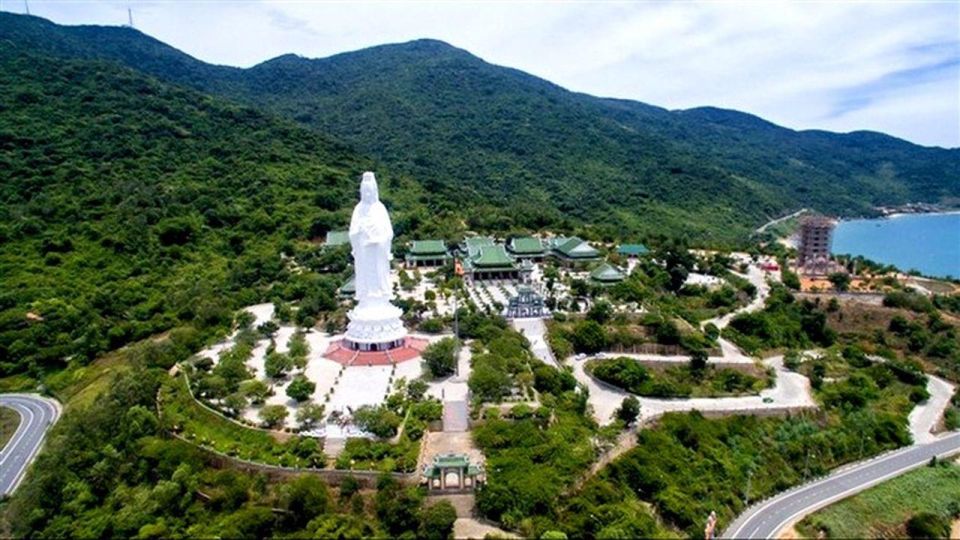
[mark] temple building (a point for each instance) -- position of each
(453, 472)
(815, 238)
(491, 262)
(427, 253)
(527, 248)
(337, 238)
(573, 251)
(527, 303)
(606, 275)
(632, 250)
(349, 288)
(472, 244)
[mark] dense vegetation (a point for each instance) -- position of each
(683, 380)
(533, 455)
(110, 469)
(516, 151)
(130, 206)
(785, 323)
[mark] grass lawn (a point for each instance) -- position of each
(882, 511)
(191, 420)
(9, 420)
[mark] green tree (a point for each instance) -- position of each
(304, 498)
(300, 388)
(588, 337)
(309, 414)
(256, 390)
(601, 311)
(273, 416)
(440, 358)
(436, 521)
(840, 280)
(698, 362)
(489, 383)
(378, 420)
(416, 389)
(276, 365)
(629, 410)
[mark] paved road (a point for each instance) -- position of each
(768, 518)
(37, 414)
(535, 330)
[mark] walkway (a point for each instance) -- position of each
(535, 330)
(37, 415)
(925, 417)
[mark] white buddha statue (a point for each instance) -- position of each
(370, 236)
(375, 322)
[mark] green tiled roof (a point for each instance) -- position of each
(575, 248)
(494, 256)
(607, 273)
(633, 249)
(451, 460)
(428, 247)
(350, 286)
(337, 238)
(474, 243)
(526, 245)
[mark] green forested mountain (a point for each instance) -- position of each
(129, 206)
(142, 189)
(515, 150)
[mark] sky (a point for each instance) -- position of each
(891, 66)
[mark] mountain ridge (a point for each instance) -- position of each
(530, 153)
(434, 44)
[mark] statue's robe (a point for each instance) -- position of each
(371, 235)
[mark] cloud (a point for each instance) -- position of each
(886, 66)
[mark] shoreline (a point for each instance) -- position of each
(902, 214)
(894, 215)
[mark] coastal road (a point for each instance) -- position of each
(768, 518)
(37, 415)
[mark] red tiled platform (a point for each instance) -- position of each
(411, 349)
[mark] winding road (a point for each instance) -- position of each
(791, 391)
(37, 414)
(768, 518)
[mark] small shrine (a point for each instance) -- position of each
(453, 472)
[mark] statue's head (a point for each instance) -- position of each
(368, 188)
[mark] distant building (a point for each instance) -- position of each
(527, 303)
(484, 258)
(491, 262)
(349, 288)
(632, 250)
(573, 251)
(815, 238)
(606, 275)
(337, 238)
(427, 253)
(527, 247)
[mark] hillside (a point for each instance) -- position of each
(129, 206)
(513, 150)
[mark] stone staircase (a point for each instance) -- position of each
(333, 446)
(455, 416)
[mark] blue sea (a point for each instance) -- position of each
(929, 243)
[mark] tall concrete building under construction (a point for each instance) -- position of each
(815, 236)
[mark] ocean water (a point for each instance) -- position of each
(929, 243)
